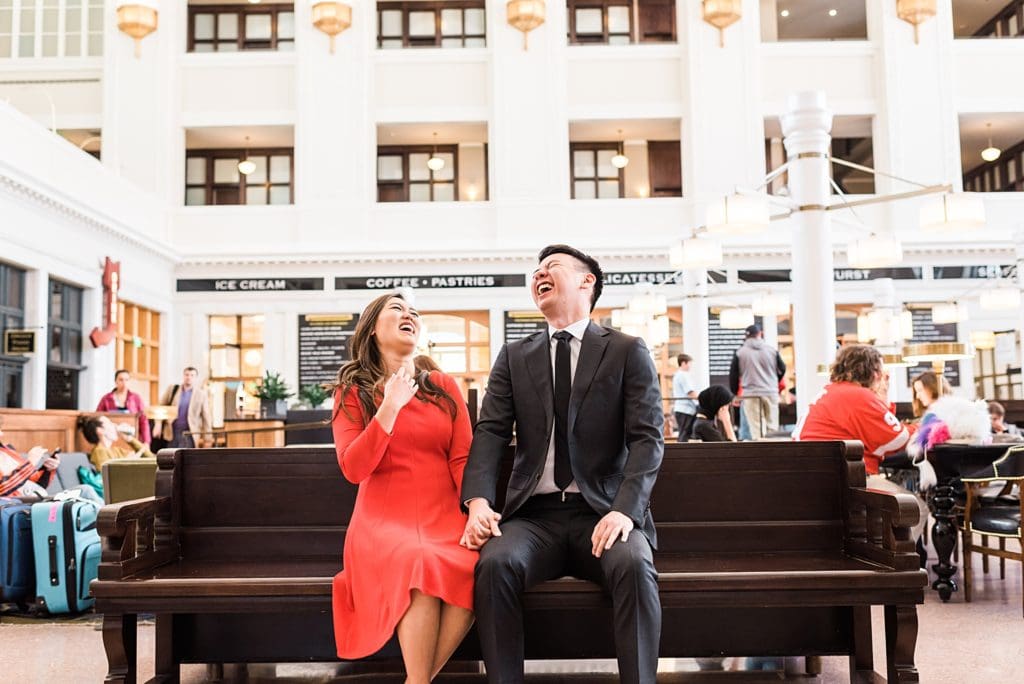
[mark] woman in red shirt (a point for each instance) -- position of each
(123, 399)
(404, 438)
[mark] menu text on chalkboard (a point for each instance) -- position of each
(927, 331)
(323, 346)
(520, 324)
(722, 344)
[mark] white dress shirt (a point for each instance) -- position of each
(547, 479)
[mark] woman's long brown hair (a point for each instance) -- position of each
(367, 371)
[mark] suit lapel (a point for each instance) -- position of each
(537, 352)
(592, 348)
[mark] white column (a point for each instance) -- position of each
(806, 126)
(141, 133)
(533, 172)
(335, 133)
(37, 300)
(695, 325)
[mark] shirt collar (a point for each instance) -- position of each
(576, 329)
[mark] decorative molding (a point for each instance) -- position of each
(24, 192)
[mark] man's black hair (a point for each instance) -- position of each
(590, 262)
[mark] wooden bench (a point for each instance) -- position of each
(52, 428)
(765, 549)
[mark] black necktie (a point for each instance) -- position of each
(563, 388)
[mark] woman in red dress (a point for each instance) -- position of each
(404, 439)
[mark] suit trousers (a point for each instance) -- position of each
(549, 538)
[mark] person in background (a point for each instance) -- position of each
(997, 414)
(852, 407)
(425, 364)
(193, 413)
(928, 387)
(713, 422)
(685, 407)
(123, 399)
(101, 432)
(757, 368)
(25, 475)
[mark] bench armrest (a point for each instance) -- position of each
(137, 536)
(879, 526)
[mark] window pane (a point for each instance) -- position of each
(588, 21)
(252, 363)
(389, 167)
(419, 192)
(259, 175)
(72, 45)
(619, 40)
(50, 20)
(479, 359)
(451, 22)
(255, 194)
(195, 170)
(418, 169)
(223, 330)
(478, 332)
(604, 164)
(227, 47)
(73, 20)
(27, 45)
(56, 299)
(74, 347)
(6, 19)
(447, 172)
(450, 360)
(56, 335)
(280, 194)
(474, 20)
(224, 362)
(421, 24)
(584, 189)
(257, 27)
(203, 47)
(95, 17)
(445, 329)
(195, 197)
(286, 25)
(391, 23)
(475, 42)
(618, 19)
(286, 45)
(225, 171)
(204, 26)
(583, 164)
(280, 169)
(391, 44)
(96, 44)
(49, 46)
(227, 26)
(451, 42)
(14, 281)
(252, 329)
(5, 46)
(444, 192)
(73, 305)
(607, 189)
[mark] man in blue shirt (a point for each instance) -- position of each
(685, 406)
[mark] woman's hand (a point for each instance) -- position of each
(398, 391)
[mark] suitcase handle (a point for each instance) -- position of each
(51, 542)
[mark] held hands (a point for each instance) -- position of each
(608, 529)
(36, 456)
(481, 525)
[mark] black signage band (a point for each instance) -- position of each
(249, 284)
(431, 282)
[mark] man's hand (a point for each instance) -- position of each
(481, 525)
(608, 529)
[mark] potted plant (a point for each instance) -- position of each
(273, 394)
(313, 395)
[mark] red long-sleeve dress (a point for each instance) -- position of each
(405, 528)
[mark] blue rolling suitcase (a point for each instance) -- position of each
(67, 553)
(17, 569)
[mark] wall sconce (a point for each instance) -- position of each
(915, 12)
(138, 21)
(525, 15)
(721, 14)
(332, 18)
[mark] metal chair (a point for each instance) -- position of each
(996, 517)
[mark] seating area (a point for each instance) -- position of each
(799, 568)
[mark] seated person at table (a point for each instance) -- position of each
(713, 422)
(928, 388)
(997, 414)
(853, 406)
(25, 475)
(101, 432)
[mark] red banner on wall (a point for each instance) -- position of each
(111, 286)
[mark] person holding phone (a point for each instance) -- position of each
(25, 475)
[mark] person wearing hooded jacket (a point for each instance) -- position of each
(713, 422)
(757, 367)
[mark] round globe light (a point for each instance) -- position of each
(435, 163)
(990, 154)
(620, 160)
(246, 166)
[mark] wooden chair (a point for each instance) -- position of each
(999, 518)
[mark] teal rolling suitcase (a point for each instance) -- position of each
(66, 547)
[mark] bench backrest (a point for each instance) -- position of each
(294, 502)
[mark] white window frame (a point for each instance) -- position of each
(37, 29)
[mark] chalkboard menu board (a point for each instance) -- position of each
(323, 346)
(520, 324)
(927, 331)
(722, 344)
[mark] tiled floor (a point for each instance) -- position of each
(958, 643)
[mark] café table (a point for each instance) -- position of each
(951, 462)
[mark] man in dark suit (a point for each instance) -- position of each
(586, 408)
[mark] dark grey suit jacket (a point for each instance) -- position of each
(615, 424)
